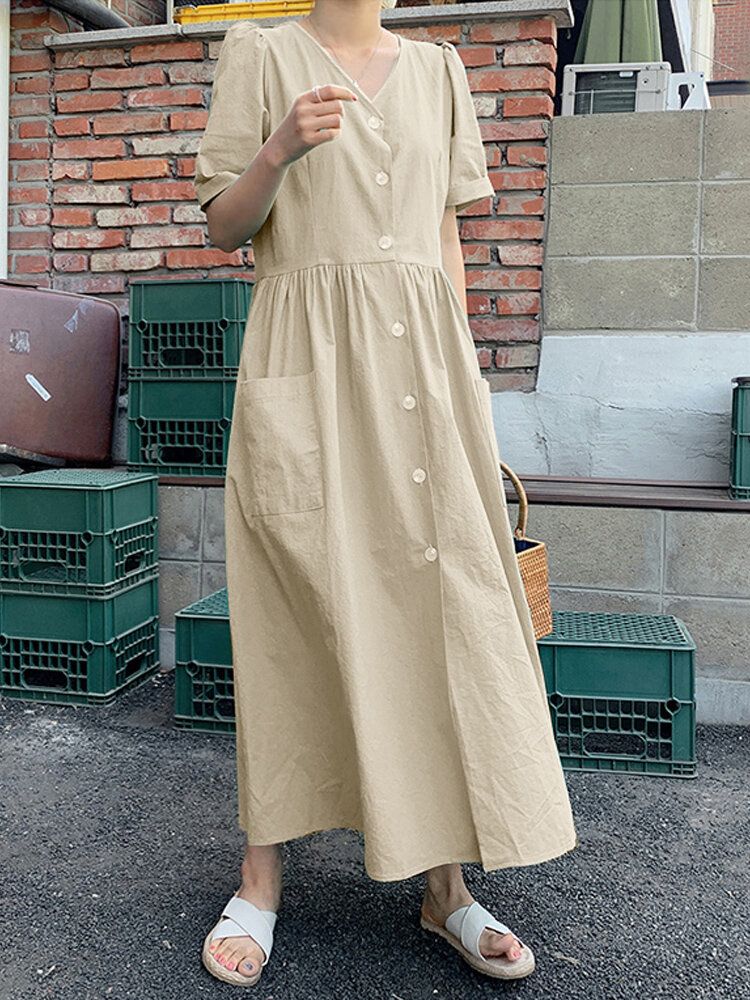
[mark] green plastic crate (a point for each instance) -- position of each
(78, 617)
(187, 328)
(57, 562)
(74, 672)
(67, 530)
(739, 465)
(204, 685)
(621, 690)
(180, 427)
(77, 500)
(741, 404)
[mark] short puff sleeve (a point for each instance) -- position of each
(468, 179)
(238, 119)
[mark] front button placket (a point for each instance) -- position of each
(383, 178)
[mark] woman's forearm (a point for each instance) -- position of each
(238, 212)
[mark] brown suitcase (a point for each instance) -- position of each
(59, 374)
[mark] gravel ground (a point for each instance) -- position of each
(119, 844)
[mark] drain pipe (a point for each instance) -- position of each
(90, 12)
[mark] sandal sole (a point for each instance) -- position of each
(495, 967)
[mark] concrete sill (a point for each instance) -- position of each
(400, 17)
(644, 493)
(580, 491)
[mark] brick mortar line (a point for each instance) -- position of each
(720, 598)
(698, 230)
(688, 255)
(663, 524)
(670, 182)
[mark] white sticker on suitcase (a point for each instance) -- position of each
(72, 324)
(37, 386)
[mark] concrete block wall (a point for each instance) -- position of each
(191, 552)
(649, 222)
(645, 299)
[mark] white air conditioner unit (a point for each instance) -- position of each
(601, 88)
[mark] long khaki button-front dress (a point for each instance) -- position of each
(387, 677)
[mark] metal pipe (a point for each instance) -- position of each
(91, 12)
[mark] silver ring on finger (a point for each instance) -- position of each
(316, 91)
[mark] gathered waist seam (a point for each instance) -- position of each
(261, 276)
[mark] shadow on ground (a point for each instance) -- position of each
(119, 845)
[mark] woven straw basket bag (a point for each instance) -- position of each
(532, 562)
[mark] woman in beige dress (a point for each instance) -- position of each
(386, 672)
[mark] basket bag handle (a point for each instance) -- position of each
(523, 504)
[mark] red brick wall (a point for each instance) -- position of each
(103, 157)
(731, 40)
(141, 11)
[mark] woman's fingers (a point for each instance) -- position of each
(332, 92)
(311, 122)
(328, 112)
(327, 108)
(328, 127)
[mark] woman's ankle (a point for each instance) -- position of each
(261, 869)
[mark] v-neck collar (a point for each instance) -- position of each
(358, 90)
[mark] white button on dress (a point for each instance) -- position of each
(419, 475)
(381, 177)
(385, 242)
(397, 329)
(373, 121)
(408, 402)
(430, 553)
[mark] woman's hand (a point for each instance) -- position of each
(310, 123)
(238, 212)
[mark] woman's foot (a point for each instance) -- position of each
(261, 884)
(444, 892)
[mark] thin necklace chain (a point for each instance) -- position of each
(355, 79)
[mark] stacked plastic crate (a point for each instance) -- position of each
(204, 684)
(621, 691)
(739, 458)
(78, 583)
(184, 347)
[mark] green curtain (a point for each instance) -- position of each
(616, 31)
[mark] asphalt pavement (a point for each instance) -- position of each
(119, 844)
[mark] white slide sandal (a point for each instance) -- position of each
(240, 918)
(463, 929)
